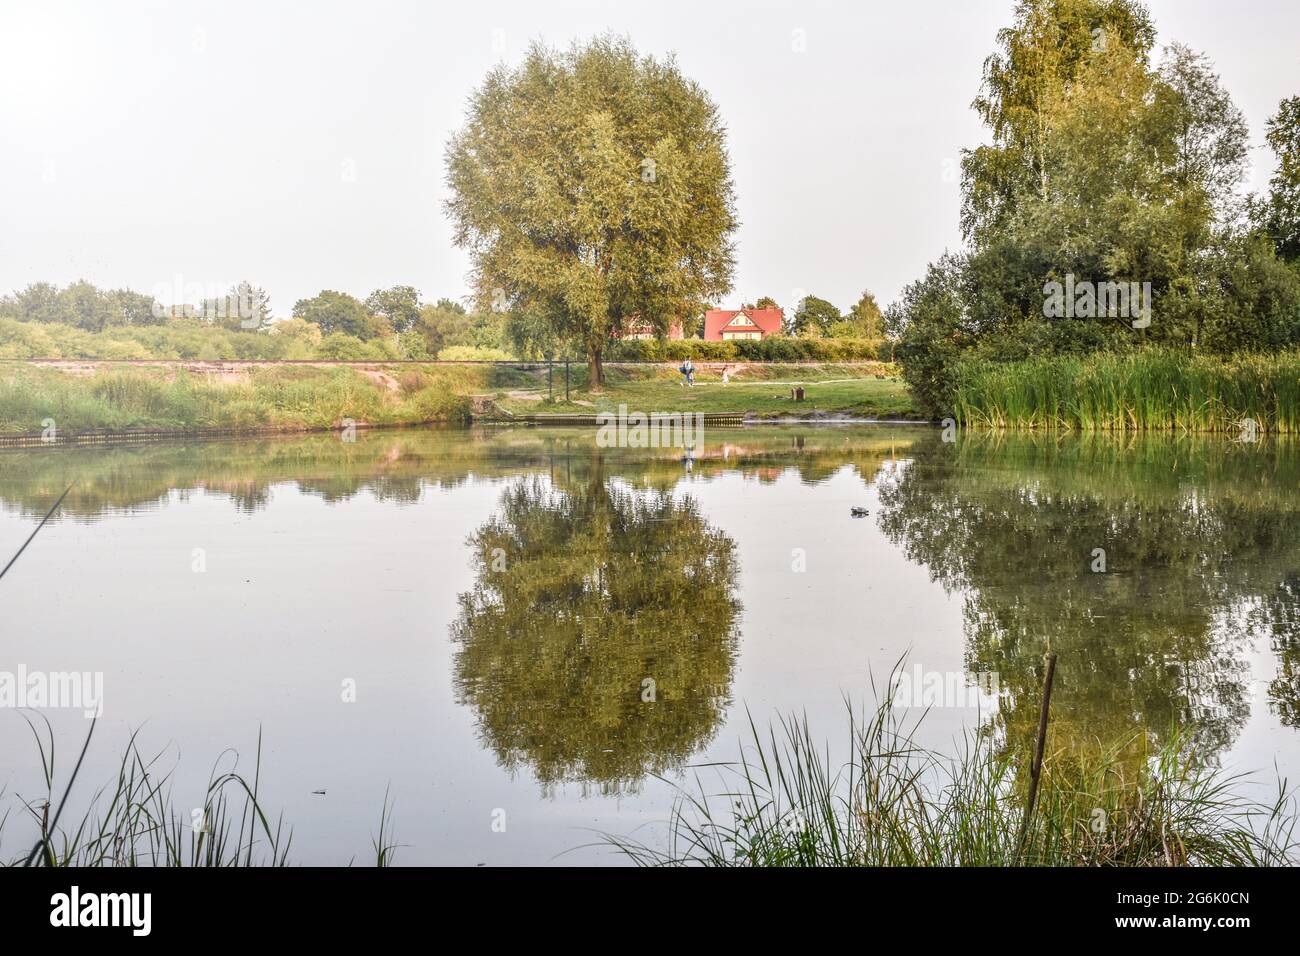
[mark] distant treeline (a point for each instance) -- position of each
(83, 321)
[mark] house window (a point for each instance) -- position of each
(741, 335)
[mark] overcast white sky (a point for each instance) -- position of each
(300, 145)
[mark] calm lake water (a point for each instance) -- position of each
(500, 600)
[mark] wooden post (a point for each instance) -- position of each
(1036, 768)
(550, 388)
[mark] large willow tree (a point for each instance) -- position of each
(591, 186)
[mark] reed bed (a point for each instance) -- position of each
(893, 803)
(1154, 389)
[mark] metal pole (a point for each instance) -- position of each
(550, 390)
(566, 380)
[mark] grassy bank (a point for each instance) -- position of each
(1139, 391)
(269, 397)
(894, 803)
(107, 398)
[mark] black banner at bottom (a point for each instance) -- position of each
(327, 906)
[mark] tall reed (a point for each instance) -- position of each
(1154, 389)
(132, 821)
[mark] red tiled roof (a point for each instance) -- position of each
(767, 321)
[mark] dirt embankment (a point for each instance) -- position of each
(225, 370)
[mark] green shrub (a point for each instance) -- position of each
(635, 350)
(25, 340)
(473, 353)
(341, 347)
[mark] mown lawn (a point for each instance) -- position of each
(764, 391)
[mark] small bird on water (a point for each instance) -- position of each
(859, 512)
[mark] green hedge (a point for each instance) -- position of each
(775, 349)
(197, 340)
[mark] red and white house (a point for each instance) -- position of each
(720, 325)
(725, 325)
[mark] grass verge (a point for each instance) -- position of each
(271, 398)
(862, 390)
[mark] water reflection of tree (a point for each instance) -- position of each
(1160, 638)
(581, 596)
(398, 466)
(1278, 616)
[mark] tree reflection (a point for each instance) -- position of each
(398, 466)
(1278, 615)
(1200, 544)
(585, 596)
